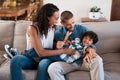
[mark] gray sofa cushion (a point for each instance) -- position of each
(111, 62)
(109, 36)
(20, 34)
(5, 71)
(78, 75)
(2, 59)
(6, 33)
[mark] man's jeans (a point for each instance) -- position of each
(58, 70)
(20, 62)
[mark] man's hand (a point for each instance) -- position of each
(90, 55)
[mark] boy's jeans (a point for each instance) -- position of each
(33, 55)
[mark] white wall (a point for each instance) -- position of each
(80, 8)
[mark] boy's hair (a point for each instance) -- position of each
(92, 35)
(65, 15)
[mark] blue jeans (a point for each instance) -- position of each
(31, 53)
(20, 62)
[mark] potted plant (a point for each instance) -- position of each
(95, 13)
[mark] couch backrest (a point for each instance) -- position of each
(108, 33)
(109, 36)
(6, 33)
(20, 34)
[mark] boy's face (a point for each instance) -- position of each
(87, 41)
(69, 24)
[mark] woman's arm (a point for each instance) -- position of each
(28, 46)
(36, 43)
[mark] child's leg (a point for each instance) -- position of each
(11, 52)
(31, 53)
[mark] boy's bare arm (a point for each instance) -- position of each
(90, 54)
(67, 36)
(66, 41)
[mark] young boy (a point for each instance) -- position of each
(88, 39)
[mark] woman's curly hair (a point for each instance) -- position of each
(41, 19)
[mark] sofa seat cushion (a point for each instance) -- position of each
(109, 36)
(6, 33)
(2, 59)
(4, 71)
(78, 75)
(111, 61)
(20, 34)
(111, 66)
(84, 75)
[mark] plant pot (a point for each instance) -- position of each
(94, 15)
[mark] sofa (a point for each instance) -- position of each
(108, 47)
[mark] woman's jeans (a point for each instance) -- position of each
(20, 62)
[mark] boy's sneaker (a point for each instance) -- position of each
(7, 56)
(11, 51)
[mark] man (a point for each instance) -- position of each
(91, 62)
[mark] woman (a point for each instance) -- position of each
(40, 36)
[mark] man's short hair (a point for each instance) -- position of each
(65, 15)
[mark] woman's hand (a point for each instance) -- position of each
(60, 44)
(69, 51)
